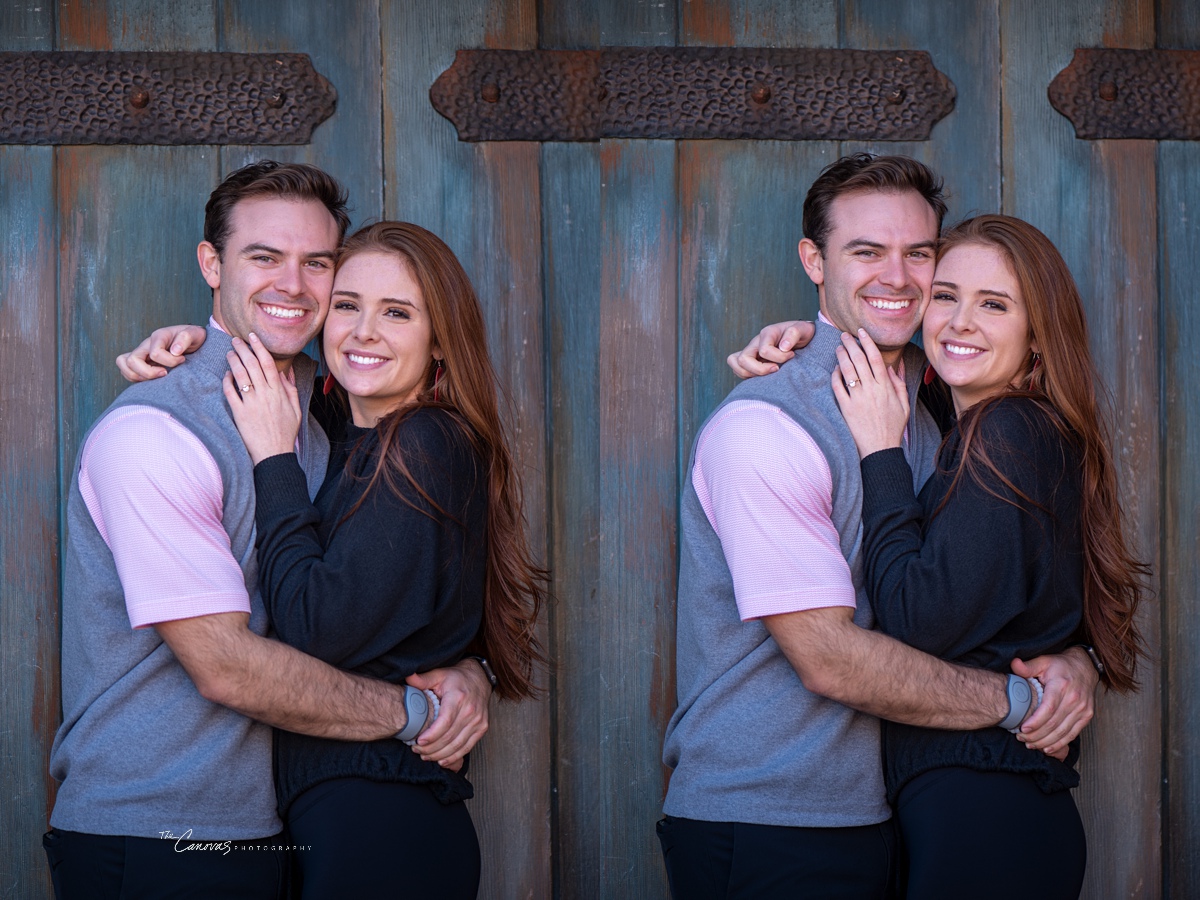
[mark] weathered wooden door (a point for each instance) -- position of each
(616, 275)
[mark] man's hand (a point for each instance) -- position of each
(1069, 702)
(163, 350)
(771, 347)
(464, 692)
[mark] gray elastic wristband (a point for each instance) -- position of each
(1020, 699)
(416, 704)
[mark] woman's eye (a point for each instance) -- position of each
(343, 304)
(943, 296)
(994, 304)
(397, 313)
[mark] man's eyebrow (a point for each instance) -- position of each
(858, 243)
(862, 242)
(263, 248)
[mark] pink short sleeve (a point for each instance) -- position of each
(154, 492)
(766, 489)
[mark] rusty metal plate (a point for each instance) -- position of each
(161, 98)
(1147, 94)
(732, 93)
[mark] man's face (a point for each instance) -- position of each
(277, 272)
(878, 264)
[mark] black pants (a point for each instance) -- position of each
(109, 867)
(366, 839)
(727, 860)
(989, 834)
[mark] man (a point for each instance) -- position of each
(777, 787)
(169, 685)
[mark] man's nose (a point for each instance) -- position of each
(895, 272)
(290, 279)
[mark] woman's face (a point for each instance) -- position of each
(378, 339)
(976, 329)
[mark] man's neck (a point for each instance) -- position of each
(282, 365)
(891, 357)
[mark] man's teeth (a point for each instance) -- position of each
(961, 351)
(889, 304)
(280, 313)
(364, 360)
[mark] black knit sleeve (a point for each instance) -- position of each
(947, 579)
(397, 571)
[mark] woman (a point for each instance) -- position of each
(1015, 548)
(412, 555)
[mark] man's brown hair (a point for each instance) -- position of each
(267, 178)
(865, 172)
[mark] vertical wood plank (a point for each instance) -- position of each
(964, 41)
(741, 205)
(29, 602)
(1096, 200)
(571, 184)
(611, 250)
(130, 219)
(343, 41)
(1179, 233)
(483, 200)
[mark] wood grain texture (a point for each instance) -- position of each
(343, 41)
(129, 221)
(29, 525)
(741, 204)
(1096, 201)
(611, 250)
(483, 200)
(1179, 233)
(964, 40)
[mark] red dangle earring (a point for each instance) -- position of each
(329, 383)
(437, 376)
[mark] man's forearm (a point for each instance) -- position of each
(281, 686)
(875, 674)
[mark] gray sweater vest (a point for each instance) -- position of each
(747, 742)
(140, 752)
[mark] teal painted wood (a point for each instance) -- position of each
(964, 41)
(571, 223)
(1179, 212)
(1096, 201)
(484, 201)
(611, 294)
(343, 41)
(130, 219)
(29, 526)
(571, 216)
(741, 205)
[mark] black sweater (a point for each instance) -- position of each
(980, 581)
(393, 588)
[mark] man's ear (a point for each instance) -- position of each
(814, 263)
(210, 263)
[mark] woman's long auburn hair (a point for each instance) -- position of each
(1064, 379)
(468, 388)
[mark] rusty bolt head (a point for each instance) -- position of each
(140, 98)
(276, 99)
(894, 95)
(1108, 91)
(490, 92)
(761, 94)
